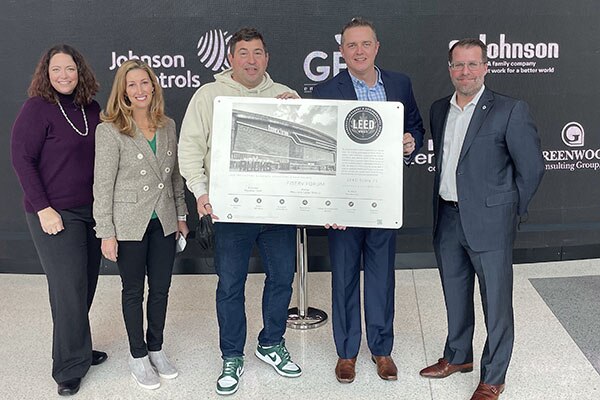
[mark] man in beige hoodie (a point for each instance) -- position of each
(247, 77)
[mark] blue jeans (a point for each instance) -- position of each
(234, 243)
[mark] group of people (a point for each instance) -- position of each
(114, 188)
(93, 189)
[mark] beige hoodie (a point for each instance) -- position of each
(196, 129)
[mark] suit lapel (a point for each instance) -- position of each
(346, 87)
(391, 94)
(144, 147)
(483, 107)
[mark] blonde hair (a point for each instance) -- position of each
(118, 108)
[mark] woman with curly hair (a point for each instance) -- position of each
(53, 155)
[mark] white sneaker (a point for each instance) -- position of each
(143, 372)
(164, 367)
(279, 358)
(229, 380)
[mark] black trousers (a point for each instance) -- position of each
(153, 256)
(71, 261)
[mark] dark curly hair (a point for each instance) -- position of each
(87, 85)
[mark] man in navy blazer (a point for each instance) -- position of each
(363, 81)
(488, 167)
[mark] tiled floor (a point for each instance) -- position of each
(547, 363)
(574, 301)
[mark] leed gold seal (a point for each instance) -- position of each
(363, 125)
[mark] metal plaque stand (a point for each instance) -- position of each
(304, 317)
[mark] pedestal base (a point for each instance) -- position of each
(314, 318)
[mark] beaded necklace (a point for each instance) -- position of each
(71, 123)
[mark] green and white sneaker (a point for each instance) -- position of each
(229, 380)
(279, 357)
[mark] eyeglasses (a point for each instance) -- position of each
(472, 66)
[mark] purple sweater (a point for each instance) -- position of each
(54, 164)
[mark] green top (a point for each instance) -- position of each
(152, 144)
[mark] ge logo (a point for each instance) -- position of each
(573, 134)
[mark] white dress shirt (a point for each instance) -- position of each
(457, 124)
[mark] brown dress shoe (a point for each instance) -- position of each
(487, 392)
(386, 369)
(442, 369)
(344, 370)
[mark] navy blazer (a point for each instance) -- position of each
(397, 88)
(499, 168)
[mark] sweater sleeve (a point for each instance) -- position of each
(193, 143)
(27, 142)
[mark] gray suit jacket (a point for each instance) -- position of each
(499, 168)
(130, 182)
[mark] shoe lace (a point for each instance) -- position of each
(283, 352)
(230, 367)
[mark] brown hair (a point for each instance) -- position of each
(118, 108)
(246, 35)
(358, 22)
(87, 85)
(469, 42)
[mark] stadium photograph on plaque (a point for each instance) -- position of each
(283, 138)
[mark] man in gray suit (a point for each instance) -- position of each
(488, 167)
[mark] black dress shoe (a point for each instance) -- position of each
(98, 357)
(70, 387)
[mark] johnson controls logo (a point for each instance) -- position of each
(213, 47)
(170, 69)
(577, 158)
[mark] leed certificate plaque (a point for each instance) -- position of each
(307, 162)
